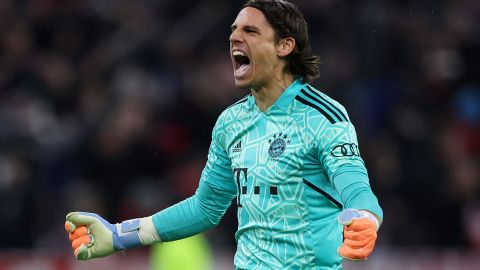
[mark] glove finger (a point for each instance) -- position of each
(80, 231)
(69, 226)
(77, 218)
(359, 235)
(353, 254)
(81, 252)
(85, 240)
(360, 253)
(357, 244)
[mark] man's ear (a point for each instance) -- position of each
(285, 46)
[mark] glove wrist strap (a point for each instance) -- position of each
(370, 216)
(127, 235)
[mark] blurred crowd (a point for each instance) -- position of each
(108, 106)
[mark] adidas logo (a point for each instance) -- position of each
(238, 147)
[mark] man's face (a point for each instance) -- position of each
(252, 49)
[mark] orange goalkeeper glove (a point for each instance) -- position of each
(360, 233)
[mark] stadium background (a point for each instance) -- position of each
(107, 106)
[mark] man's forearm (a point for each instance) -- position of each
(181, 220)
(193, 215)
(356, 193)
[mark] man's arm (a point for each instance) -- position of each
(201, 211)
(340, 155)
(94, 237)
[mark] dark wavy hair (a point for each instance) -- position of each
(287, 21)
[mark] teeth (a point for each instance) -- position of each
(238, 53)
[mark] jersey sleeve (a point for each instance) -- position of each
(339, 155)
(214, 195)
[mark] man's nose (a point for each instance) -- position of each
(235, 36)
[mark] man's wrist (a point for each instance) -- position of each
(126, 234)
(134, 233)
(147, 232)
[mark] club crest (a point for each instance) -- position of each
(278, 144)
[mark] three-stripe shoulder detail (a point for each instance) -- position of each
(302, 100)
(330, 104)
(313, 99)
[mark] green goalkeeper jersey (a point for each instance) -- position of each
(292, 168)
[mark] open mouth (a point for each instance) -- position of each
(241, 63)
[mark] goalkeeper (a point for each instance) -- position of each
(287, 152)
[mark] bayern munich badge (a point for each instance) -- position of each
(278, 144)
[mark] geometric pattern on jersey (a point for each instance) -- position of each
(282, 165)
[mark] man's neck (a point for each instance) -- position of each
(266, 95)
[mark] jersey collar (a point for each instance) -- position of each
(289, 94)
(285, 98)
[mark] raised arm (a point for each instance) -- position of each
(94, 237)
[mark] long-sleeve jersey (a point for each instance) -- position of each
(292, 169)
